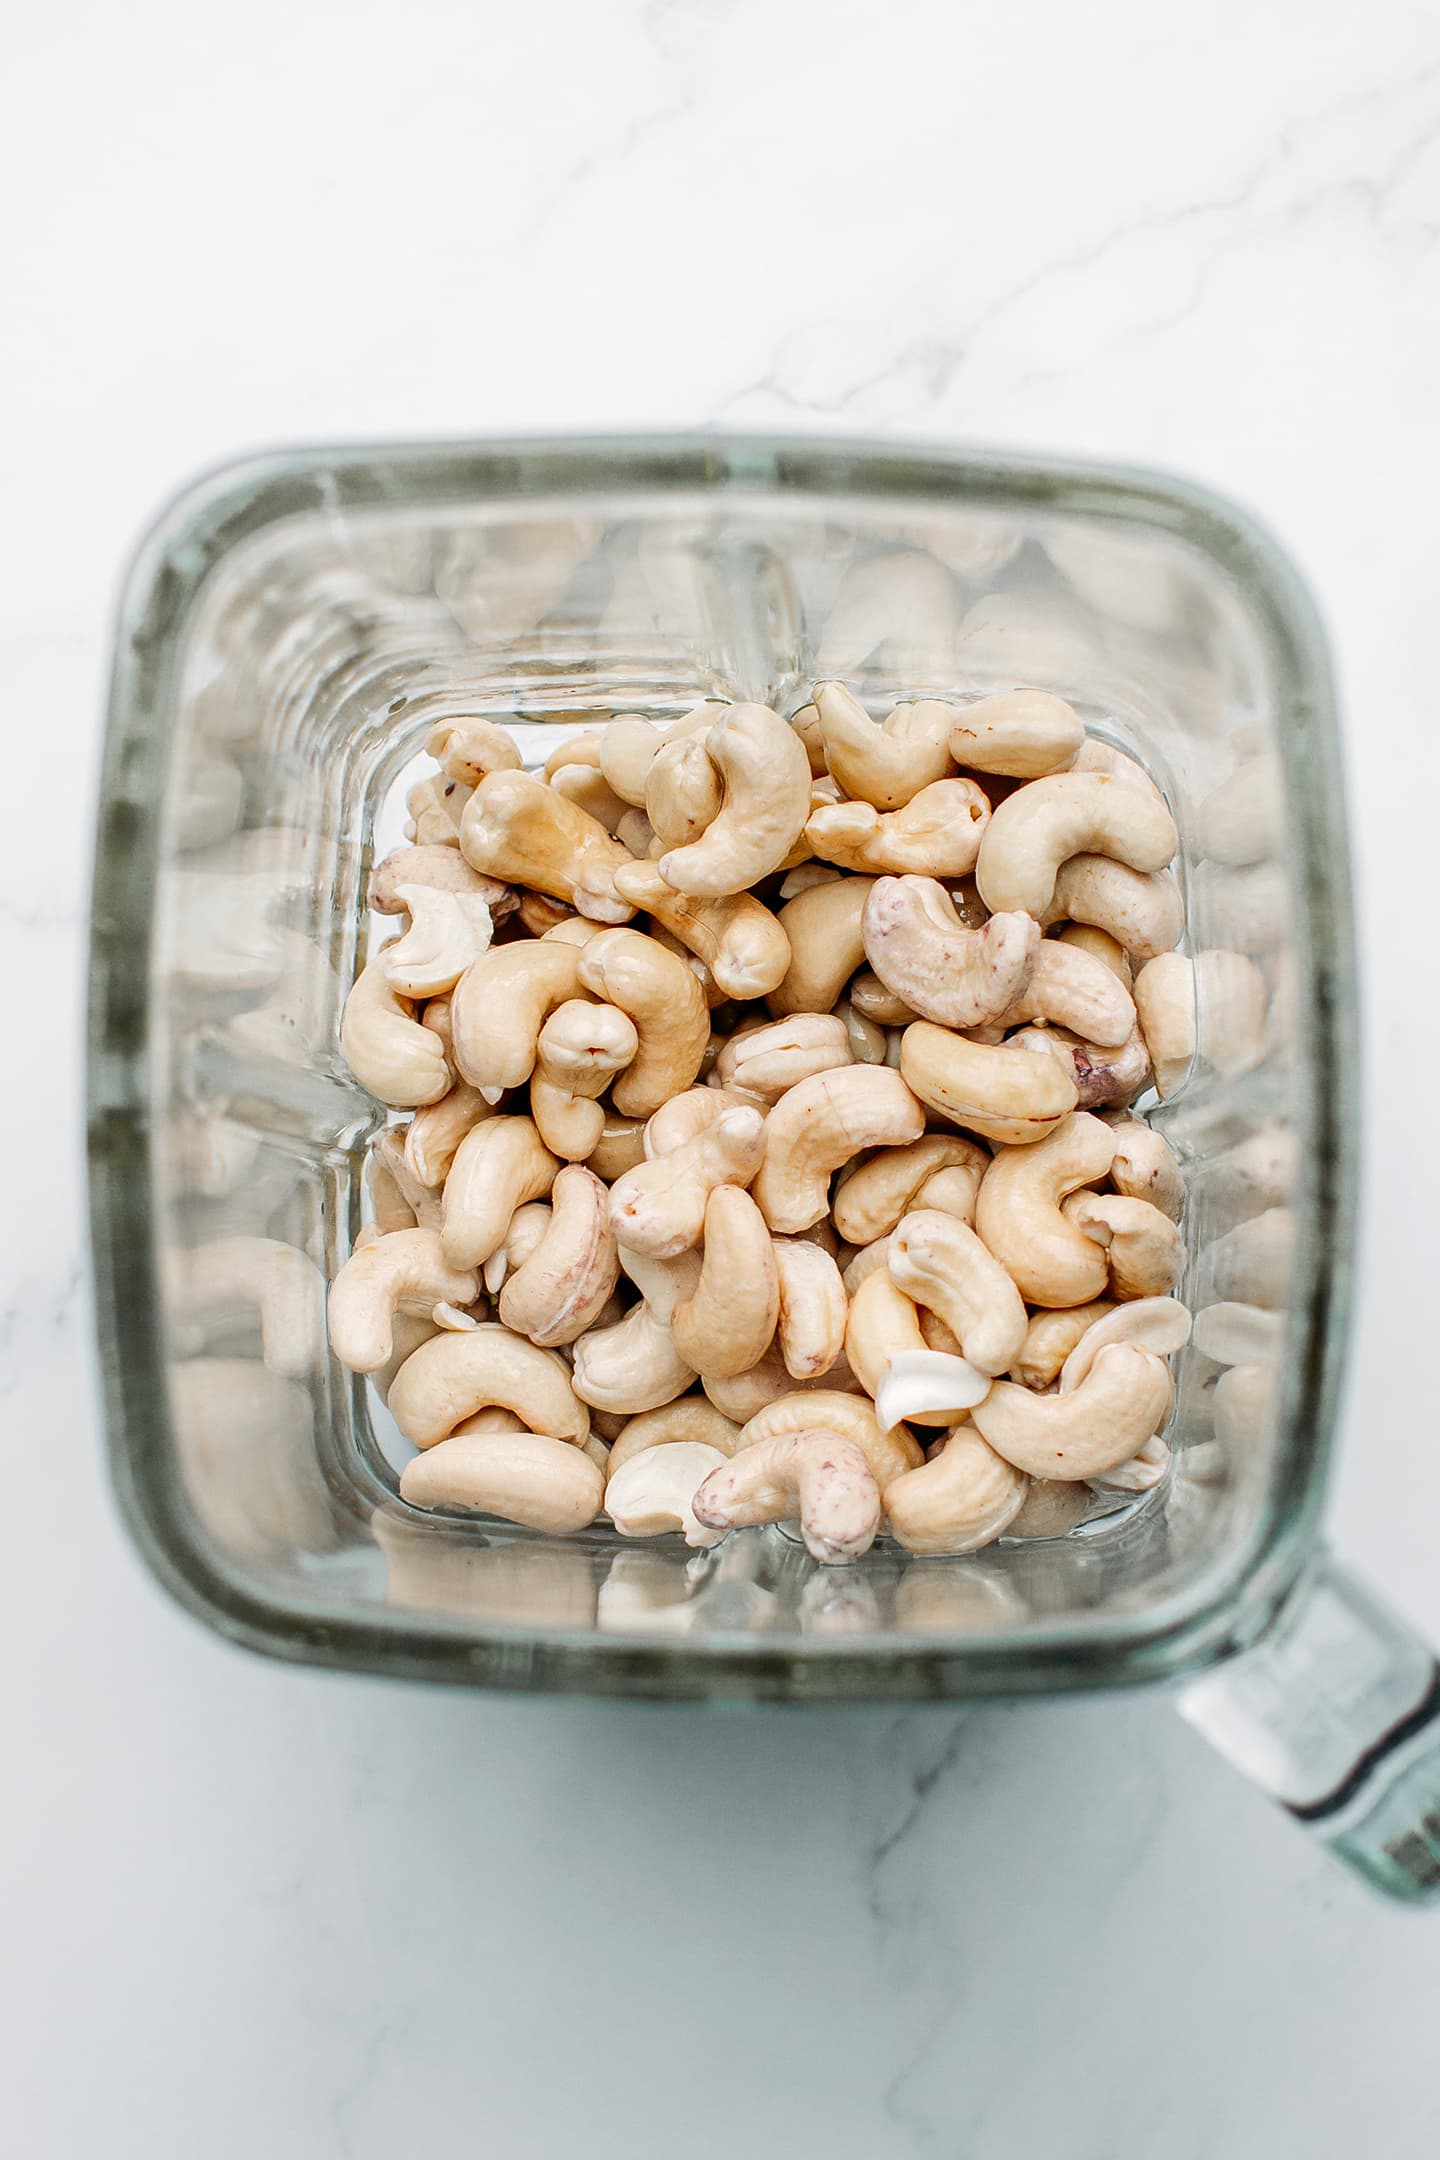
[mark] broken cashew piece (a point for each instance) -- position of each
(558, 1292)
(726, 1325)
(667, 1006)
(1003, 1094)
(403, 1271)
(498, 1166)
(387, 1050)
(1043, 824)
(650, 1494)
(920, 1383)
(1050, 1259)
(921, 950)
(450, 1377)
(1145, 1250)
(937, 834)
(765, 777)
(447, 931)
(517, 828)
(527, 1478)
(1023, 734)
(819, 1125)
(964, 1498)
(1120, 1404)
(810, 1331)
(886, 766)
(941, 1263)
(578, 1052)
(882, 1329)
(658, 1208)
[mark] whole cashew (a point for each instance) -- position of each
(804, 1409)
(500, 1004)
(557, 1293)
(525, 1478)
(1165, 1003)
(659, 1207)
(498, 1166)
(1102, 1075)
(1144, 1248)
(1233, 1000)
(1001, 1093)
(738, 938)
(683, 796)
(516, 827)
(942, 1263)
(1235, 1334)
(1145, 1167)
(686, 1116)
(1050, 1260)
(871, 1198)
(447, 931)
(921, 950)
(885, 766)
(443, 869)
(1049, 1339)
(663, 1284)
(628, 748)
(765, 775)
(436, 807)
(631, 1366)
(667, 1006)
(819, 1125)
(1161, 1324)
(1073, 990)
(726, 1325)
(1119, 1405)
(1098, 942)
(937, 834)
(813, 1307)
(468, 747)
(1022, 733)
(827, 943)
(208, 1285)
(577, 1054)
(650, 1495)
(688, 1419)
(882, 1327)
(1040, 826)
(389, 1053)
(403, 1271)
(961, 1500)
(765, 1061)
(816, 1474)
(436, 1131)
(450, 1377)
(1143, 911)
(621, 1145)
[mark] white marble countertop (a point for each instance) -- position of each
(250, 1910)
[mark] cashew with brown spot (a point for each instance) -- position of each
(436, 807)
(1021, 733)
(1049, 1258)
(888, 765)
(450, 1377)
(1001, 1093)
(557, 1292)
(389, 1053)
(1161, 1324)
(765, 780)
(658, 1208)
(819, 1125)
(667, 1006)
(441, 869)
(827, 943)
(630, 1366)
(810, 1330)
(727, 1323)
(1043, 824)
(921, 950)
(817, 1474)
(767, 1060)
(741, 942)
(578, 1052)
(958, 1502)
(937, 834)
(1145, 1167)
(528, 1478)
(516, 827)
(1102, 1075)
(498, 1166)
(1120, 1404)
(1145, 1251)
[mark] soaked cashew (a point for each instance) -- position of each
(517, 828)
(885, 766)
(557, 1292)
(1021, 733)
(765, 778)
(813, 1307)
(1003, 1094)
(960, 1501)
(658, 1208)
(1043, 824)
(937, 834)
(870, 1199)
(388, 1051)
(1050, 1259)
(578, 1052)
(921, 950)
(819, 1125)
(725, 1326)
(667, 1006)
(1118, 1406)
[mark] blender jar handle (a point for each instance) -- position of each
(1335, 1713)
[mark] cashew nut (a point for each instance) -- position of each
(540, 915)
(1022, 733)
(962, 1499)
(885, 766)
(403, 1271)
(765, 775)
(526, 1227)
(689, 1419)
(1001, 1093)
(827, 943)
(871, 1198)
(748, 1393)
(1231, 994)
(650, 1495)
(1121, 1402)
(936, 834)
(1040, 826)
(1102, 1076)
(516, 827)
(725, 1326)
(447, 931)
(686, 1116)
(1098, 942)
(1050, 1509)
(870, 998)
(577, 1054)
(941, 1263)
(1235, 1334)
(1144, 1248)
(498, 1166)
(621, 1145)
(1143, 911)
(557, 1293)
(765, 1061)
(631, 1366)
(1241, 1405)
(1251, 1262)
(1144, 1471)
(738, 938)
(443, 869)
(919, 1383)
(888, 1454)
(390, 1054)
(468, 746)
(817, 1475)
(584, 785)
(1161, 1324)
(1165, 1003)
(819, 1125)
(527, 1478)
(1145, 1167)
(683, 795)
(882, 1327)
(500, 1004)
(1072, 989)
(450, 1377)
(663, 1284)
(813, 1307)
(436, 807)
(628, 748)
(436, 1131)
(921, 950)
(659, 1207)
(1049, 1339)
(667, 1006)
(389, 1167)
(1050, 1259)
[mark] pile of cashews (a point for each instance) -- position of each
(768, 1086)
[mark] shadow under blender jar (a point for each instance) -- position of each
(291, 630)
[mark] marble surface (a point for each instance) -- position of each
(252, 1910)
